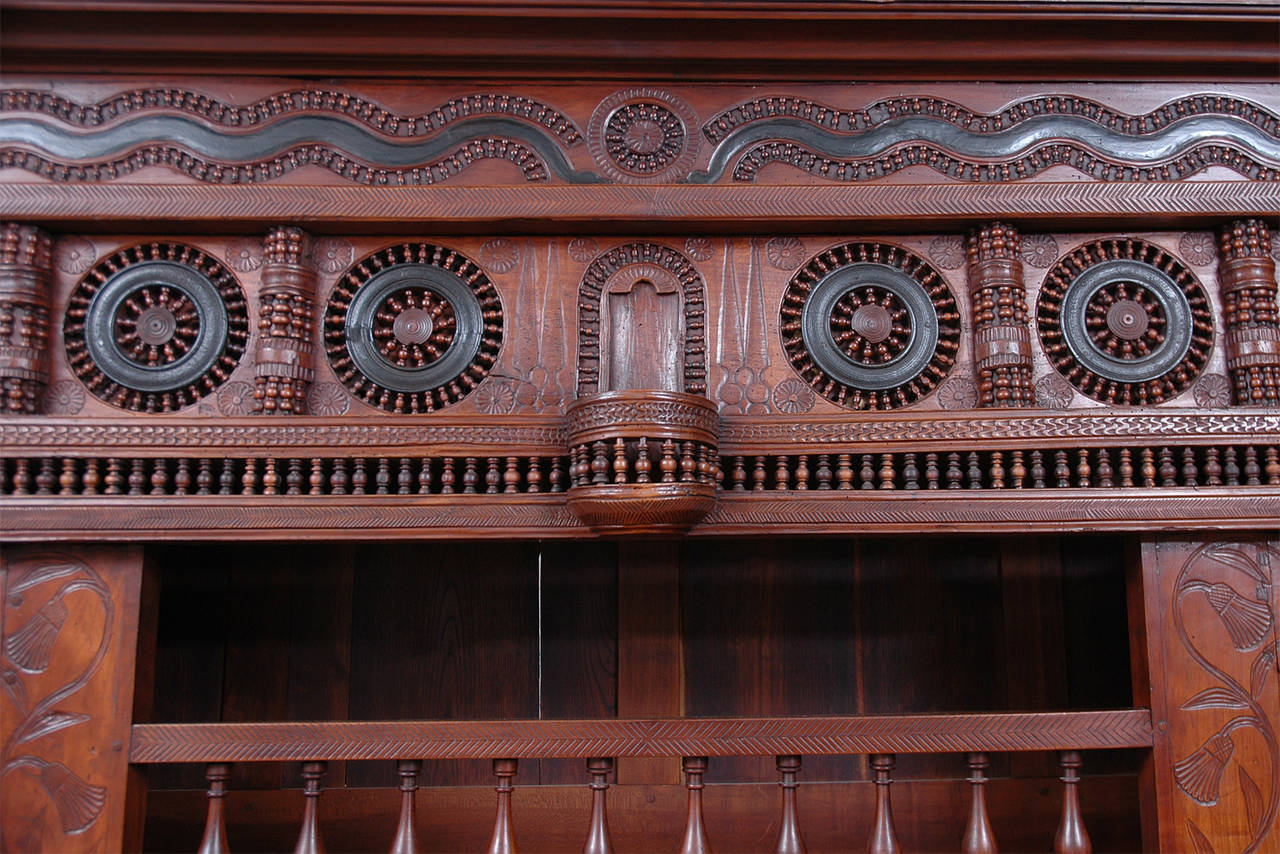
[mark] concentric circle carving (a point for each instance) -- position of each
(154, 328)
(1125, 322)
(870, 326)
(643, 136)
(413, 328)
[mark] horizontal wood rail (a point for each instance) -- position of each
(333, 740)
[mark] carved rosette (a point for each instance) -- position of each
(26, 263)
(642, 462)
(284, 366)
(1002, 340)
(1125, 322)
(1247, 276)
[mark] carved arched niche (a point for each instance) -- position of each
(641, 322)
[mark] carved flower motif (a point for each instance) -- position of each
(327, 399)
(1248, 622)
(235, 398)
(75, 255)
(78, 802)
(31, 646)
(698, 248)
(496, 397)
(793, 397)
(244, 254)
(1198, 247)
(500, 255)
(65, 397)
(1200, 774)
(785, 253)
(583, 249)
(1213, 391)
(332, 254)
(1053, 392)
(947, 251)
(958, 393)
(1039, 250)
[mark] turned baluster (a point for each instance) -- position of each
(1018, 470)
(932, 475)
(1212, 468)
(1190, 472)
(1106, 475)
(382, 477)
(1037, 470)
(1252, 471)
(46, 480)
(1148, 468)
(953, 471)
(600, 463)
(643, 464)
(598, 832)
(406, 841)
(620, 468)
(504, 839)
(309, 837)
(1061, 471)
(557, 475)
(249, 478)
(90, 478)
(447, 476)
(758, 475)
(424, 476)
(884, 839)
(802, 472)
(844, 471)
(824, 471)
(511, 476)
(1126, 468)
(695, 833)
(789, 839)
(316, 479)
(533, 479)
(667, 465)
(739, 474)
(404, 476)
(215, 825)
(707, 473)
(67, 480)
(227, 477)
(1084, 472)
(269, 478)
(1272, 467)
(688, 467)
(359, 477)
(887, 473)
(1168, 473)
(182, 480)
(1231, 466)
(978, 838)
(338, 477)
(910, 472)
(22, 477)
(782, 473)
(867, 474)
(975, 471)
(137, 477)
(1072, 838)
(471, 476)
(997, 470)
(492, 475)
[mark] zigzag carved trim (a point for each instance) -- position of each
(635, 207)
(291, 101)
(1038, 159)
(269, 742)
(260, 171)
(831, 118)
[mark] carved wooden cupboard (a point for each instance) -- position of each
(716, 426)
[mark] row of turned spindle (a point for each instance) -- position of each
(644, 461)
(1101, 468)
(978, 837)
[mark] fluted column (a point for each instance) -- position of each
(26, 257)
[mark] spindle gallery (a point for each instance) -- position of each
(639, 426)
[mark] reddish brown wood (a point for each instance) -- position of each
(978, 836)
(790, 840)
(214, 840)
(309, 836)
(406, 841)
(26, 261)
(1072, 837)
(598, 830)
(695, 832)
(884, 839)
(503, 840)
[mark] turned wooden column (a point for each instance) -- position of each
(26, 259)
(1247, 277)
(71, 632)
(284, 362)
(1206, 664)
(1001, 336)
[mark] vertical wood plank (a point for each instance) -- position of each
(579, 640)
(1210, 676)
(650, 660)
(70, 626)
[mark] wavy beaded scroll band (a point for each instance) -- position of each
(1125, 322)
(154, 328)
(413, 328)
(870, 326)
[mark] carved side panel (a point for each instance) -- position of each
(70, 634)
(1211, 657)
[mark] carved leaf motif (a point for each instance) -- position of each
(41, 574)
(1253, 804)
(79, 803)
(51, 722)
(17, 691)
(1214, 698)
(1239, 560)
(1198, 839)
(1262, 666)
